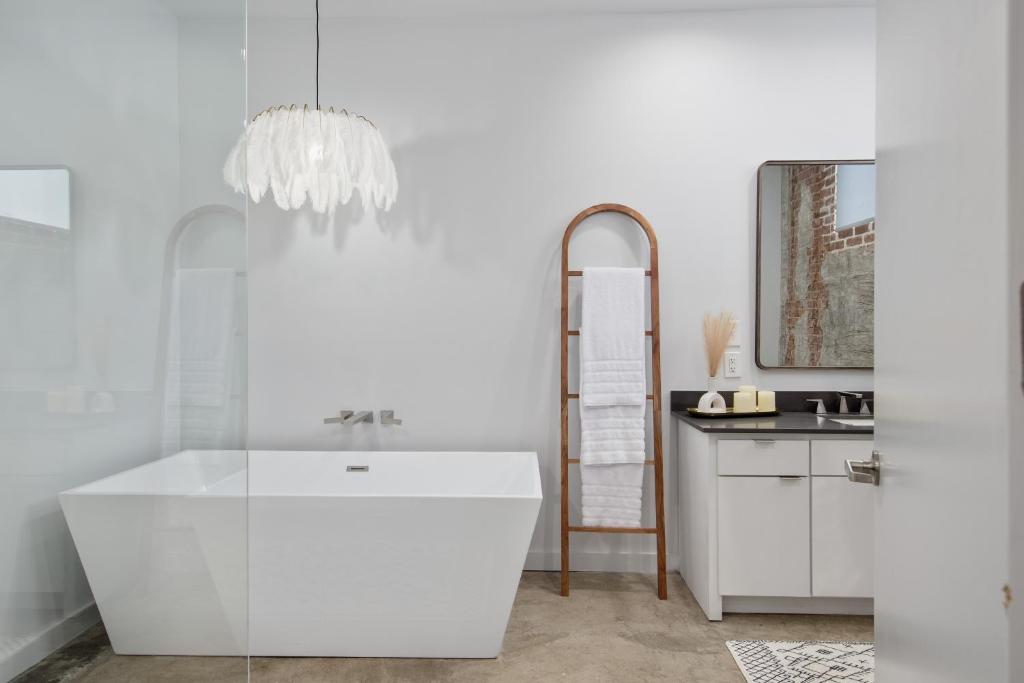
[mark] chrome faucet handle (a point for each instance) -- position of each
(843, 406)
(819, 409)
(387, 417)
(342, 416)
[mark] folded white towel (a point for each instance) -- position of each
(612, 495)
(612, 337)
(612, 434)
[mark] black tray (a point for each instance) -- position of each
(729, 412)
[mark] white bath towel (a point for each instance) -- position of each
(613, 396)
(612, 495)
(611, 435)
(199, 359)
(612, 337)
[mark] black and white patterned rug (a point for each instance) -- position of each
(775, 661)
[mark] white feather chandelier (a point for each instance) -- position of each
(323, 155)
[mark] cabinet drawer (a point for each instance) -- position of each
(828, 457)
(764, 536)
(762, 457)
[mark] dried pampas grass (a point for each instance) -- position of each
(717, 331)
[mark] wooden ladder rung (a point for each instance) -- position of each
(615, 529)
(650, 397)
(577, 461)
(576, 333)
(579, 273)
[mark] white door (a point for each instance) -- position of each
(942, 341)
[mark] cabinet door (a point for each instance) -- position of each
(764, 536)
(842, 538)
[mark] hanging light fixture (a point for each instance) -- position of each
(324, 155)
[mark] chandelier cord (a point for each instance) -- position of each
(318, 55)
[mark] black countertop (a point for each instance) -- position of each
(797, 415)
(785, 423)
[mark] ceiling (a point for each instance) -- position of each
(425, 8)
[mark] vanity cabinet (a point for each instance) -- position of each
(772, 524)
(764, 540)
(842, 523)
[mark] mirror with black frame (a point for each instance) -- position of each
(815, 264)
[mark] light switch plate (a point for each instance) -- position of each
(732, 364)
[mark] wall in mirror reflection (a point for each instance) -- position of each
(816, 252)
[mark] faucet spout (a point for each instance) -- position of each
(843, 407)
(360, 416)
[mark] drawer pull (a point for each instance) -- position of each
(764, 442)
(789, 478)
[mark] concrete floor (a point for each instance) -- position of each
(612, 628)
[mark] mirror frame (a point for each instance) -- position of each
(757, 264)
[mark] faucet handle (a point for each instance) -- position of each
(844, 407)
(340, 419)
(387, 417)
(819, 408)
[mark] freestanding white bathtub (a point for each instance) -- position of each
(326, 554)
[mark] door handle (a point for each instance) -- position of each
(865, 471)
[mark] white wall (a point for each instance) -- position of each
(771, 264)
(446, 309)
(94, 87)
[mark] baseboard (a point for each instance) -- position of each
(759, 605)
(37, 647)
(541, 561)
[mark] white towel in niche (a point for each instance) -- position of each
(197, 412)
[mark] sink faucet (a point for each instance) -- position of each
(819, 405)
(843, 407)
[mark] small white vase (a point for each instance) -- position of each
(712, 401)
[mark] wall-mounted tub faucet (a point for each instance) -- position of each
(348, 417)
(387, 417)
(362, 416)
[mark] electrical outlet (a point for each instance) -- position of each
(734, 339)
(732, 364)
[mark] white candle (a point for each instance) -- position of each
(766, 401)
(744, 402)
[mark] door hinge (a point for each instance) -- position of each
(1007, 596)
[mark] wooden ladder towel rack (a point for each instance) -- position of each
(655, 398)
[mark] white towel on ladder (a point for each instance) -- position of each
(612, 337)
(613, 396)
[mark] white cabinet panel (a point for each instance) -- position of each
(762, 457)
(764, 532)
(842, 537)
(828, 457)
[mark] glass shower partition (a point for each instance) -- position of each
(123, 469)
